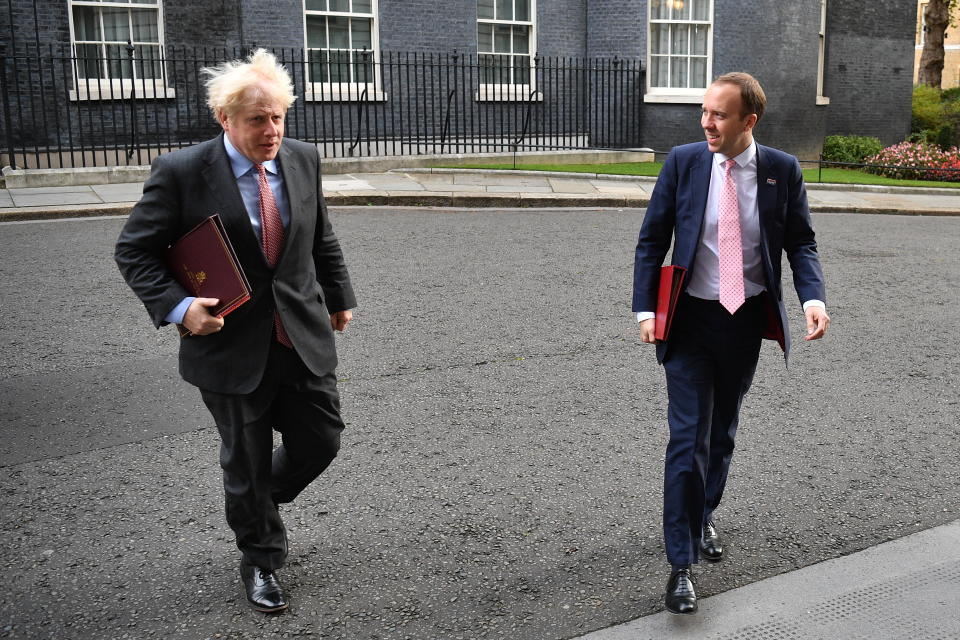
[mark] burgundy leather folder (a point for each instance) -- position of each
(204, 263)
(671, 284)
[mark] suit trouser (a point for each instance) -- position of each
(710, 361)
(305, 409)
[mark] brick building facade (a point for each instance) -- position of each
(828, 66)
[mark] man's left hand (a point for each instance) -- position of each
(817, 322)
(341, 319)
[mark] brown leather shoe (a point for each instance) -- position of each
(263, 589)
(711, 547)
(681, 598)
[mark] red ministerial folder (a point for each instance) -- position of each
(204, 263)
(671, 284)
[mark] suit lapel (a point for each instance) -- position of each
(766, 190)
(223, 185)
(700, 171)
(293, 182)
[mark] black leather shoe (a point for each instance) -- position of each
(711, 548)
(681, 597)
(263, 590)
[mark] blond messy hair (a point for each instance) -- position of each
(237, 83)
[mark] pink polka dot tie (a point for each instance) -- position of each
(731, 250)
(271, 231)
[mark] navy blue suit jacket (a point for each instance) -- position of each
(676, 212)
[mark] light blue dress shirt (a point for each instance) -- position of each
(248, 182)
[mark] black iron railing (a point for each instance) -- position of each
(61, 111)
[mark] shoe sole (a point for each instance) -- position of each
(261, 609)
(682, 613)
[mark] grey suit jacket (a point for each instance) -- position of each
(310, 280)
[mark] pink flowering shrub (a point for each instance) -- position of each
(917, 161)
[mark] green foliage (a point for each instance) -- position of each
(927, 109)
(850, 148)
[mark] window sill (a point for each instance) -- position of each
(347, 93)
(676, 98)
(121, 92)
(821, 100)
(508, 94)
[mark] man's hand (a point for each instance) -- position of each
(817, 322)
(341, 319)
(647, 330)
(198, 320)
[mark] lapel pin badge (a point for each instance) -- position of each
(771, 181)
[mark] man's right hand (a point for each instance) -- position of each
(198, 320)
(647, 330)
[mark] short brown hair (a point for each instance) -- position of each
(751, 93)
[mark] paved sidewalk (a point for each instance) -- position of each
(477, 188)
(907, 588)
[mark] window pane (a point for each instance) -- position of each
(361, 6)
(501, 38)
(698, 73)
(678, 72)
(339, 32)
(339, 66)
(658, 72)
(679, 34)
(89, 61)
(660, 9)
(485, 38)
(681, 9)
(118, 62)
(316, 32)
(485, 9)
(363, 72)
(521, 69)
(148, 62)
(523, 9)
(361, 33)
(699, 34)
(701, 9)
(316, 5)
(659, 39)
(318, 66)
(521, 39)
(340, 5)
(116, 24)
(504, 9)
(86, 23)
(145, 25)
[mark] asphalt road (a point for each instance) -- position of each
(501, 469)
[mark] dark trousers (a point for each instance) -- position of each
(305, 409)
(710, 361)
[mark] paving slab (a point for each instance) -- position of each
(572, 186)
(119, 192)
(908, 588)
(87, 196)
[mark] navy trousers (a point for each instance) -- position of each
(305, 409)
(709, 364)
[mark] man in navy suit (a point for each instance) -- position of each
(731, 207)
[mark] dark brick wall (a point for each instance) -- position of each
(868, 78)
(617, 28)
(869, 75)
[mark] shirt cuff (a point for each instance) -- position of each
(176, 314)
(814, 303)
(645, 315)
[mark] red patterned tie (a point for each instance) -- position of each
(271, 231)
(731, 250)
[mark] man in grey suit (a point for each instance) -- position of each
(270, 363)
